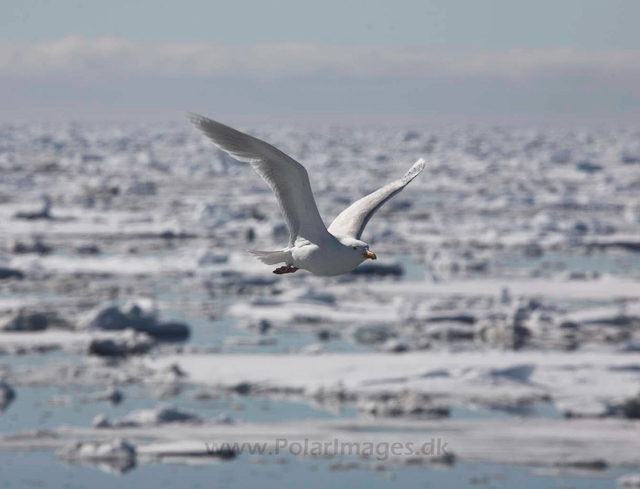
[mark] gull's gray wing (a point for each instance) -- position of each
(287, 178)
(352, 221)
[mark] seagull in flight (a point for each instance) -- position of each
(312, 247)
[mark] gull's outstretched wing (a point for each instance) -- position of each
(287, 178)
(352, 221)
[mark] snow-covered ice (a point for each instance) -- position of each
(503, 314)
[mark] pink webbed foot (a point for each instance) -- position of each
(285, 269)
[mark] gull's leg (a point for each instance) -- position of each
(285, 269)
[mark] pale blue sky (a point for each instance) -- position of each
(576, 59)
(589, 24)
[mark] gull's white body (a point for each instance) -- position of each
(330, 259)
(312, 246)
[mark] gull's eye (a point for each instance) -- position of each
(355, 247)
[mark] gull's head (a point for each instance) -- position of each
(359, 249)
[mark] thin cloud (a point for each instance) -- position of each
(83, 59)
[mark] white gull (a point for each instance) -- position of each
(312, 247)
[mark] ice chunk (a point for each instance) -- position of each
(114, 456)
(7, 395)
(162, 414)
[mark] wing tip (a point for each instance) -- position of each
(415, 170)
(195, 119)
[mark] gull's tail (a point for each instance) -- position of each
(270, 257)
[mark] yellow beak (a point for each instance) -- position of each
(369, 254)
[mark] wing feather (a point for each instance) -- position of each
(287, 178)
(352, 221)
